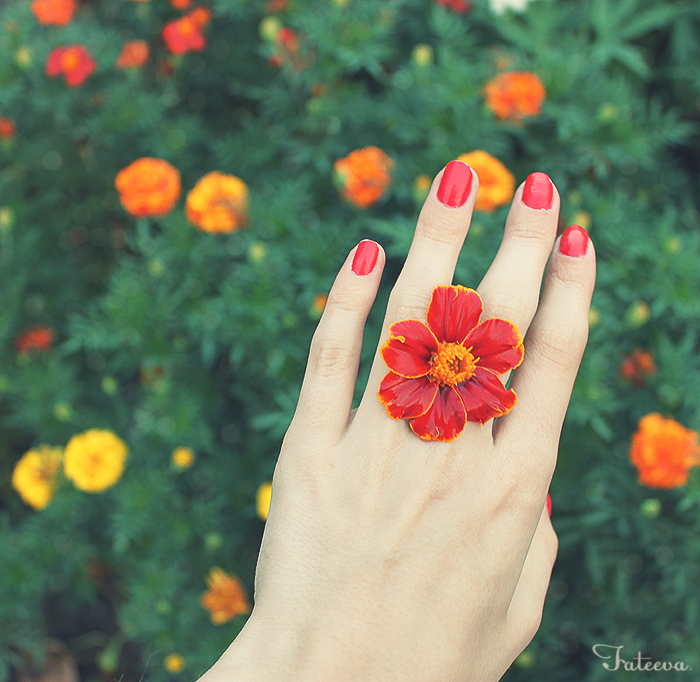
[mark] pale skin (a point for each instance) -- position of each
(387, 557)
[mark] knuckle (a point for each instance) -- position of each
(344, 300)
(438, 229)
(406, 306)
(330, 357)
(535, 228)
(530, 625)
(561, 344)
(504, 304)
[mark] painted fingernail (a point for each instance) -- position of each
(574, 241)
(365, 257)
(455, 184)
(538, 191)
(549, 504)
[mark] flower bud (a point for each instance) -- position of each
(422, 55)
(270, 28)
(650, 508)
(637, 314)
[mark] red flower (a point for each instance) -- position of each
(7, 128)
(183, 35)
(457, 6)
(74, 62)
(35, 338)
(445, 373)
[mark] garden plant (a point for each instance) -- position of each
(180, 181)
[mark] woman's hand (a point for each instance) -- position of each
(389, 558)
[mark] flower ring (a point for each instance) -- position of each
(445, 373)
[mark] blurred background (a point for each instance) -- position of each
(180, 181)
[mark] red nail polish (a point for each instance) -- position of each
(574, 241)
(365, 257)
(455, 184)
(538, 191)
(549, 504)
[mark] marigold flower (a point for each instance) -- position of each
(74, 62)
(148, 187)
(94, 460)
(182, 458)
(218, 203)
(174, 663)
(318, 305)
(515, 94)
(58, 12)
(262, 500)
(663, 450)
(457, 6)
(638, 366)
(496, 182)
(34, 338)
(445, 373)
(180, 4)
(225, 598)
(7, 128)
(363, 175)
(34, 475)
(134, 55)
(184, 34)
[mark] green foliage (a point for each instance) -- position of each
(172, 337)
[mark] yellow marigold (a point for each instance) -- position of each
(363, 175)
(94, 460)
(182, 458)
(663, 450)
(148, 187)
(515, 94)
(496, 182)
(225, 598)
(34, 476)
(262, 500)
(218, 203)
(174, 663)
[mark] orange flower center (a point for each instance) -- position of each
(452, 364)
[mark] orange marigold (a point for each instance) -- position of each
(663, 451)
(363, 175)
(34, 338)
(148, 187)
(7, 127)
(180, 4)
(496, 182)
(515, 94)
(134, 54)
(218, 203)
(225, 598)
(74, 62)
(58, 12)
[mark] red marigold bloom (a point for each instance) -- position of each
(184, 34)
(148, 187)
(515, 94)
(445, 373)
(58, 12)
(457, 6)
(74, 62)
(180, 4)
(134, 54)
(35, 338)
(637, 366)
(663, 450)
(7, 128)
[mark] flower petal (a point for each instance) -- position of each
(406, 398)
(453, 312)
(484, 396)
(410, 348)
(445, 419)
(498, 345)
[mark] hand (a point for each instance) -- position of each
(389, 558)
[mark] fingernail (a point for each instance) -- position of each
(574, 241)
(455, 184)
(365, 257)
(538, 191)
(549, 504)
